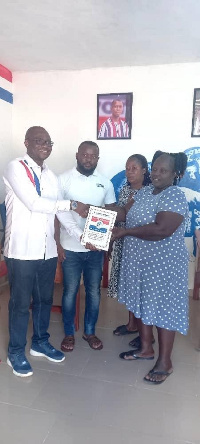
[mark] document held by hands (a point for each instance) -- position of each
(98, 227)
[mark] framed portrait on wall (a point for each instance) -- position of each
(196, 114)
(114, 116)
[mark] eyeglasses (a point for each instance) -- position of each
(42, 142)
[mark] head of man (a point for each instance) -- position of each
(116, 108)
(38, 144)
(87, 157)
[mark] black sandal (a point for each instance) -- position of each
(132, 356)
(122, 330)
(151, 376)
(136, 343)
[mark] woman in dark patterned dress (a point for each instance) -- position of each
(137, 176)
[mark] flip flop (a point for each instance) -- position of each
(136, 343)
(122, 330)
(155, 372)
(134, 356)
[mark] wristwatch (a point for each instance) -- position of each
(74, 205)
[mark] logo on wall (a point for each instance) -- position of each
(191, 186)
(5, 85)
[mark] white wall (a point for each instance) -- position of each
(5, 133)
(65, 104)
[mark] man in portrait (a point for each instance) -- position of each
(114, 126)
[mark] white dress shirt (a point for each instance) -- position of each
(95, 190)
(29, 233)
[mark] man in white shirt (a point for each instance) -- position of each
(32, 200)
(84, 184)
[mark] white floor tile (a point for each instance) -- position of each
(21, 425)
(93, 396)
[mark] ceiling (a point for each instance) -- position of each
(78, 34)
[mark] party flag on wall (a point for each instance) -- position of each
(6, 85)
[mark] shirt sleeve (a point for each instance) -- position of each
(70, 225)
(102, 131)
(66, 219)
(16, 179)
(126, 129)
(110, 194)
(64, 181)
(174, 200)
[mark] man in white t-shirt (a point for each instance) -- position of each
(82, 183)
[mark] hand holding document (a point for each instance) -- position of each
(98, 227)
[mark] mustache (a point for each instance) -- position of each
(83, 170)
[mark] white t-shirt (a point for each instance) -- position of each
(94, 190)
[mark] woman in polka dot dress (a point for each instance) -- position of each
(154, 269)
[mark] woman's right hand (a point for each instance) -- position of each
(118, 232)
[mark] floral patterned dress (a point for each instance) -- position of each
(125, 192)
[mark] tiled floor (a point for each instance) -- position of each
(94, 397)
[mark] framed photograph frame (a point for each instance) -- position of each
(114, 116)
(196, 114)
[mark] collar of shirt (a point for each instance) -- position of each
(33, 164)
(95, 173)
(116, 123)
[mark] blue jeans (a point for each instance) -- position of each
(90, 263)
(29, 278)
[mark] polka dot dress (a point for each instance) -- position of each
(154, 274)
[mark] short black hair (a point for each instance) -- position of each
(33, 128)
(116, 100)
(90, 143)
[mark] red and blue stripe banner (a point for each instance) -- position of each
(6, 85)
